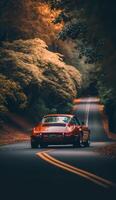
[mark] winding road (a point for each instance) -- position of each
(61, 172)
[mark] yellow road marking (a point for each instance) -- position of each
(92, 177)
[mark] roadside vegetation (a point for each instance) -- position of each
(35, 81)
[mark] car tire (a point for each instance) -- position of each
(87, 143)
(43, 145)
(34, 145)
(76, 143)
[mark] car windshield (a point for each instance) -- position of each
(56, 119)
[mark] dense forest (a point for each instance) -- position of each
(54, 50)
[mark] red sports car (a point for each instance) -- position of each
(60, 129)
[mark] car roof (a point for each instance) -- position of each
(59, 115)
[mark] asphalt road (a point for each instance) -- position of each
(40, 174)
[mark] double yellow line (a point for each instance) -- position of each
(91, 177)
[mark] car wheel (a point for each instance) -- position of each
(34, 145)
(43, 145)
(87, 143)
(76, 142)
